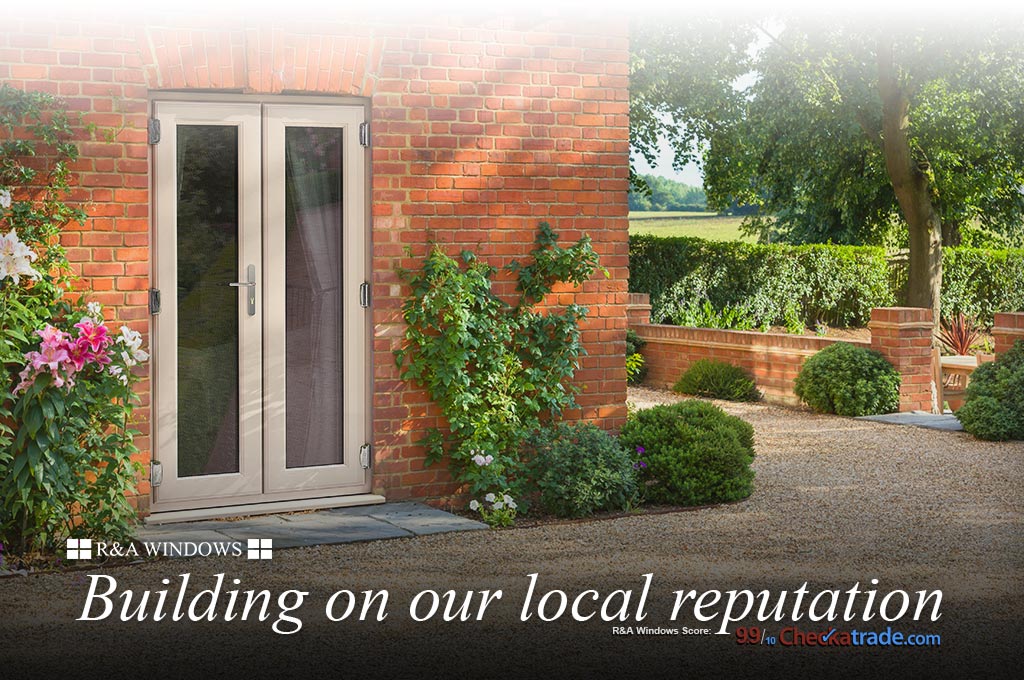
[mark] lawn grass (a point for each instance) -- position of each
(702, 225)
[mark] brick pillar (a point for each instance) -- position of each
(904, 336)
(1007, 329)
(638, 310)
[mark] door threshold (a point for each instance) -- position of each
(273, 508)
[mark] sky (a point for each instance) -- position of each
(663, 167)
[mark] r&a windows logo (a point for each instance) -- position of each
(261, 548)
(79, 549)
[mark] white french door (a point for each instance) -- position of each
(260, 343)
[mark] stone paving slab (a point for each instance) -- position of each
(932, 421)
(423, 519)
(339, 525)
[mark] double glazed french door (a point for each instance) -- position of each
(260, 343)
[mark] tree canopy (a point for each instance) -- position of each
(879, 130)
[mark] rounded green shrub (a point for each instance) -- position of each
(849, 381)
(576, 469)
(994, 405)
(691, 453)
(718, 380)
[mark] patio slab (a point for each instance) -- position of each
(325, 527)
(932, 421)
(417, 518)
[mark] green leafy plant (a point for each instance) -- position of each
(830, 284)
(579, 469)
(494, 368)
(849, 381)
(498, 510)
(636, 367)
(692, 453)
(66, 395)
(718, 380)
(994, 405)
(960, 333)
(837, 285)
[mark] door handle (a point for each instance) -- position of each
(250, 272)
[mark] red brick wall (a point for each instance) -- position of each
(904, 336)
(774, 359)
(481, 128)
(901, 334)
(1007, 329)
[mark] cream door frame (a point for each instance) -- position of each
(246, 484)
(349, 476)
(238, 489)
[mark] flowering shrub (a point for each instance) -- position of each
(66, 394)
(497, 509)
(492, 367)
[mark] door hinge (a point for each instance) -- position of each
(364, 456)
(154, 300)
(154, 130)
(364, 294)
(364, 134)
(156, 474)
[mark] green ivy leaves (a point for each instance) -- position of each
(494, 368)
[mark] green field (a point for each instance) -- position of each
(702, 225)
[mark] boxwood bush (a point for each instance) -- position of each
(718, 380)
(691, 453)
(994, 405)
(849, 381)
(576, 469)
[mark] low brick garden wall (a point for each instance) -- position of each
(901, 334)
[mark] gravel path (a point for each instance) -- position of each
(836, 502)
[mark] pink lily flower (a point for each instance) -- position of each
(95, 334)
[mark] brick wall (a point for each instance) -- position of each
(904, 336)
(1007, 329)
(774, 359)
(481, 128)
(901, 334)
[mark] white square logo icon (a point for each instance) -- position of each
(261, 548)
(79, 548)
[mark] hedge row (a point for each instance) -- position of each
(769, 284)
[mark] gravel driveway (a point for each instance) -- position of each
(836, 502)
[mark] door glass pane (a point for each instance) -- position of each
(313, 306)
(207, 208)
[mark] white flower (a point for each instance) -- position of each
(474, 505)
(499, 505)
(507, 499)
(512, 505)
(479, 460)
(488, 459)
(132, 340)
(489, 498)
(5, 198)
(16, 259)
(119, 372)
(95, 310)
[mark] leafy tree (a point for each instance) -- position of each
(852, 132)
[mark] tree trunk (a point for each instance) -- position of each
(910, 184)
(951, 236)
